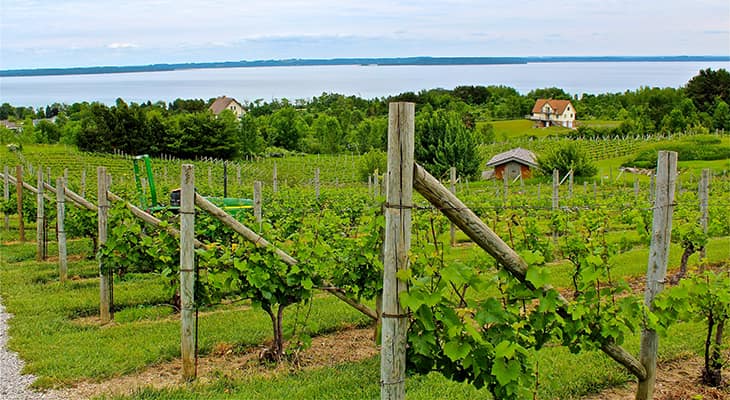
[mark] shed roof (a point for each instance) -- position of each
(221, 104)
(519, 155)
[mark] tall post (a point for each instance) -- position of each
(399, 198)
(257, 202)
(82, 192)
(40, 219)
(505, 183)
(651, 188)
(570, 185)
(225, 178)
(371, 193)
(187, 271)
(657, 268)
(452, 173)
(556, 189)
(6, 194)
(105, 271)
(19, 196)
(376, 184)
(316, 183)
(60, 217)
(238, 174)
(704, 194)
(636, 189)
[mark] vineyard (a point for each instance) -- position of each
(270, 287)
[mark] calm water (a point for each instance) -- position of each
(249, 84)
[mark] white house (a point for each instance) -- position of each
(549, 112)
(227, 103)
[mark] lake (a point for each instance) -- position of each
(267, 83)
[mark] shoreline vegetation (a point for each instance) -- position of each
(396, 61)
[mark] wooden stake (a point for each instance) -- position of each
(40, 219)
(657, 268)
(187, 271)
(6, 194)
(452, 174)
(275, 181)
(257, 202)
(556, 189)
(704, 194)
(399, 200)
(19, 195)
(105, 271)
(60, 217)
(82, 192)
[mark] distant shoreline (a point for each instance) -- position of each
(405, 61)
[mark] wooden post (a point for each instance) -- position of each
(570, 185)
(61, 215)
(82, 192)
(210, 176)
(651, 188)
(19, 195)
(316, 183)
(370, 186)
(40, 219)
(105, 271)
(556, 189)
(636, 189)
(595, 192)
(452, 173)
(657, 268)
(505, 185)
(275, 181)
(257, 202)
(704, 194)
(6, 194)
(187, 271)
(397, 244)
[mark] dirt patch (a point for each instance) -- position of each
(345, 346)
(676, 380)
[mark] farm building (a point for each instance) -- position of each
(513, 163)
(549, 112)
(227, 103)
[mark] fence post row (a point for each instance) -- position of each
(399, 199)
(187, 271)
(657, 266)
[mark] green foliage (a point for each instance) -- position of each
(699, 147)
(442, 142)
(708, 85)
(373, 160)
(565, 158)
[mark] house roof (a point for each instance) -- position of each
(519, 155)
(557, 105)
(221, 104)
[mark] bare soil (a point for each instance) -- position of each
(344, 346)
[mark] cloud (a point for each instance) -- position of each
(121, 46)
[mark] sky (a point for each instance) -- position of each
(78, 33)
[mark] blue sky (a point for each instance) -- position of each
(67, 33)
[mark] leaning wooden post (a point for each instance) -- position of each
(40, 219)
(452, 173)
(704, 194)
(105, 270)
(6, 194)
(61, 215)
(257, 202)
(658, 258)
(399, 198)
(19, 195)
(187, 271)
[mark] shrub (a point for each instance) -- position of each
(566, 157)
(371, 161)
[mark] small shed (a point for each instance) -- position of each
(513, 163)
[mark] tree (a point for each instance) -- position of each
(442, 142)
(565, 158)
(721, 116)
(250, 140)
(703, 88)
(288, 128)
(326, 130)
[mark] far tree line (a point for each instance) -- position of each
(450, 124)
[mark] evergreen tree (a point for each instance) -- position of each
(442, 142)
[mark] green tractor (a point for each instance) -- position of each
(234, 206)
